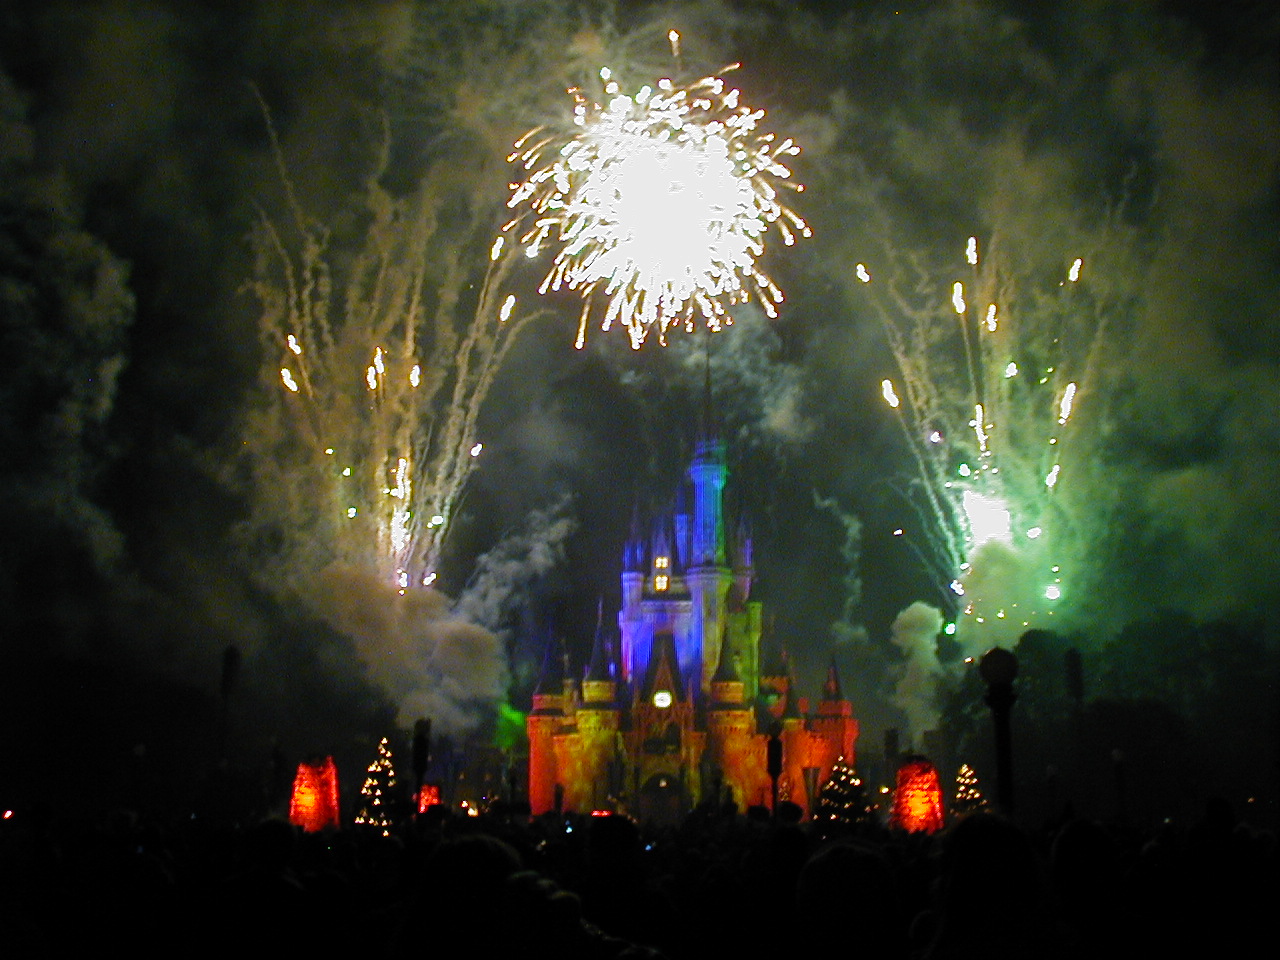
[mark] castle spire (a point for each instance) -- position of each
(708, 474)
(600, 668)
(633, 552)
(706, 431)
(831, 689)
(727, 669)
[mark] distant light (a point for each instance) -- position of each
(346, 471)
(957, 297)
(957, 588)
(287, 376)
(507, 306)
(429, 579)
(475, 450)
(898, 532)
(935, 437)
(351, 512)
(437, 520)
(971, 251)
(890, 397)
(1074, 273)
(1034, 533)
(1011, 370)
(950, 629)
(965, 470)
(863, 275)
(329, 451)
(1052, 592)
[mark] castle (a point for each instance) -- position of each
(683, 709)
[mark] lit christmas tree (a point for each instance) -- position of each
(376, 794)
(968, 796)
(841, 801)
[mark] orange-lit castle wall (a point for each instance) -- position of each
(314, 803)
(917, 801)
(676, 706)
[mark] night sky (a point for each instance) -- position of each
(135, 160)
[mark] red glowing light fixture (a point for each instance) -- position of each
(917, 800)
(314, 803)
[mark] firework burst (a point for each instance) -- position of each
(379, 359)
(991, 379)
(658, 205)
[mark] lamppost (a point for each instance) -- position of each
(998, 667)
(773, 766)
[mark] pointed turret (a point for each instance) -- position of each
(663, 568)
(834, 720)
(831, 689)
(664, 672)
(600, 682)
(551, 678)
(726, 684)
(633, 552)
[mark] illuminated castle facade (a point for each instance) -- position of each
(676, 708)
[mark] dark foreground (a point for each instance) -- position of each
(721, 885)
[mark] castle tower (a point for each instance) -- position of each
(708, 575)
(544, 721)
(834, 721)
(734, 750)
(598, 719)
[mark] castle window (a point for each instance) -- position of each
(661, 582)
(661, 563)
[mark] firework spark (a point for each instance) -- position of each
(361, 450)
(990, 381)
(658, 205)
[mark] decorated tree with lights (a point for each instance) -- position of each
(377, 794)
(968, 795)
(842, 801)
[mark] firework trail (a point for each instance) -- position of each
(658, 205)
(993, 375)
(378, 363)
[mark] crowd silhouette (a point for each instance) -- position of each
(721, 884)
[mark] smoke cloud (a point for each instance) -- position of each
(915, 633)
(430, 661)
(504, 574)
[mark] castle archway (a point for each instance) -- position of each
(662, 800)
